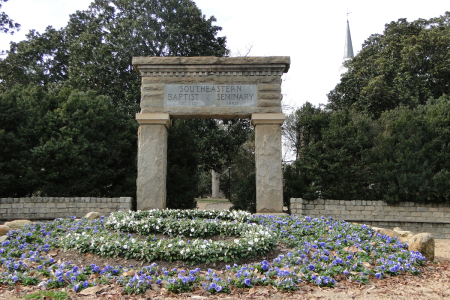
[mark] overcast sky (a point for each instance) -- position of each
(312, 33)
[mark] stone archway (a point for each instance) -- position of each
(210, 87)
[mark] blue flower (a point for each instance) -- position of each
(218, 288)
(378, 275)
(247, 281)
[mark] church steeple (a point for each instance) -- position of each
(348, 48)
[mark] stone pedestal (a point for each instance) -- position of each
(215, 185)
(269, 175)
(152, 161)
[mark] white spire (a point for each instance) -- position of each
(348, 48)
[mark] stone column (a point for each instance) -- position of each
(269, 175)
(152, 161)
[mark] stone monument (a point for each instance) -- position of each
(210, 87)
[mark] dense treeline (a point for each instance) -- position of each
(402, 156)
(385, 132)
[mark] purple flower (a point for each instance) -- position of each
(378, 275)
(247, 281)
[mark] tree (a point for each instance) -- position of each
(406, 65)
(304, 126)
(335, 160)
(65, 143)
(6, 23)
(41, 59)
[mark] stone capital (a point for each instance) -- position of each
(154, 119)
(268, 119)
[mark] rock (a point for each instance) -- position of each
(404, 236)
(4, 230)
(388, 232)
(397, 229)
(91, 291)
(3, 238)
(423, 243)
(92, 215)
(17, 224)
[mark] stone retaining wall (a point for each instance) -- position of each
(433, 218)
(39, 208)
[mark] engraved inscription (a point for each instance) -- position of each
(213, 95)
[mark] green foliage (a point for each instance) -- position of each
(245, 194)
(6, 23)
(243, 178)
(402, 156)
(182, 165)
(40, 295)
(406, 65)
(412, 149)
(22, 113)
(66, 144)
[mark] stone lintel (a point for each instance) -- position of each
(210, 63)
(154, 119)
(268, 119)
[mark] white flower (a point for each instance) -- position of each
(170, 245)
(249, 248)
(125, 247)
(203, 246)
(192, 229)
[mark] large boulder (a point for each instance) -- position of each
(4, 230)
(3, 238)
(17, 224)
(423, 243)
(92, 215)
(403, 235)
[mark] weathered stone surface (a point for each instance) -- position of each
(4, 229)
(212, 60)
(17, 224)
(152, 167)
(92, 215)
(210, 112)
(3, 238)
(212, 79)
(423, 243)
(403, 236)
(269, 177)
(269, 103)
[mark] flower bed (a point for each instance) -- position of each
(322, 251)
(255, 239)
